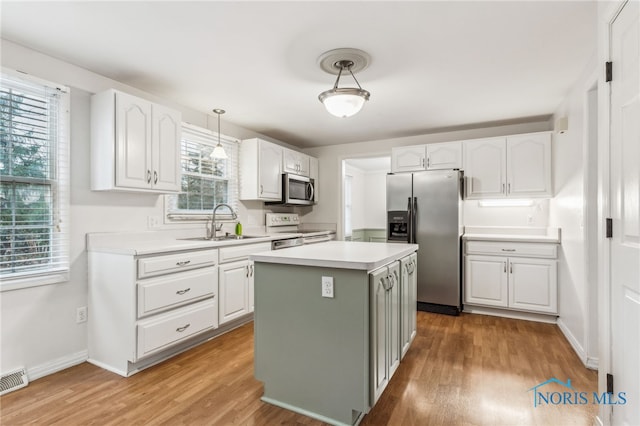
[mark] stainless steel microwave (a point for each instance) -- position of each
(297, 190)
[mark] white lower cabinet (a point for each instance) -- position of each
(384, 288)
(236, 281)
(142, 308)
(523, 278)
(234, 290)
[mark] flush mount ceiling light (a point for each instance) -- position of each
(218, 151)
(346, 101)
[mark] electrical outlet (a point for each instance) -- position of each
(327, 287)
(81, 315)
(153, 222)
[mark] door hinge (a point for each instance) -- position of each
(608, 73)
(609, 228)
(609, 383)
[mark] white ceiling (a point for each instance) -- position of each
(435, 65)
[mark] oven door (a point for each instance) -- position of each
(297, 190)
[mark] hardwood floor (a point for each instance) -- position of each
(466, 370)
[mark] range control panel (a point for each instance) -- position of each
(281, 219)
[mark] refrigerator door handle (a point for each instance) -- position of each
(409, 222)
(413, 218)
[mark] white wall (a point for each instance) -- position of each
(375, 195)
(328, 210)
(358, 207)
(536, 215)
(567, 211)
(38, 329)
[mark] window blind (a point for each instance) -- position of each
(205, 181)
(34, 177)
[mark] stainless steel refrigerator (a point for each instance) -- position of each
(425, 208)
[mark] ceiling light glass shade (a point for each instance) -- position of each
(344, 102)
(218, 153)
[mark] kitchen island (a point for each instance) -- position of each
(332, 322)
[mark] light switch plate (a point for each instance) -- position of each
(327, 287)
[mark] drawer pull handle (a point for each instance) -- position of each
(181, 292)
(508, 249)
(182, 263)
(183, 328)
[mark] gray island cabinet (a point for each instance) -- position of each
(332, 322)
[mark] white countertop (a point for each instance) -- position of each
(507, 233)
(338, 254)
(152, 242)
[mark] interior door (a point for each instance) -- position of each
(625, 208)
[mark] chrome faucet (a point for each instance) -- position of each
(217, 226)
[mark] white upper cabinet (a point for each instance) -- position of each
(135, 144)
(260, 170)
(295, 162)
(408, 158)
(443, 156)
(485, 168)
(513, 166)
(435, 156)
(529, 165)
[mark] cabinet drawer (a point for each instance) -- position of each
(162, 331)
(157, 265)
(545, 250)
(161, 293)
(242, 252)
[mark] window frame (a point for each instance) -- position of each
(59, 184)
(205, 137)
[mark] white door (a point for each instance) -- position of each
(485, 168)
(165, 149)
(529, 165)
(133, 145)
(625, 207)
(269, 171)
(485, 280)
(233, 291)
(444, 156)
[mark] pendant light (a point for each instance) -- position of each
(218, 151)
(347, 101)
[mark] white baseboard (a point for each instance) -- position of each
(589, 362)
(508, 313)
(57, 365)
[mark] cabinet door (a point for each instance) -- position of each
(314, 173)
(485, 280)
(533, 285)
(379, 321)
(408, 296)
(133, 142)
(529, 165)
(252, 302)
(442, 156)
(485, 168)
(395, 348)
(295, 162)
(408, 158)
(233, 290)
(165, 149)
(269, 171)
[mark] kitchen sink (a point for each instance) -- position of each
(221, 238)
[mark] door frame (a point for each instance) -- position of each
(607, 13)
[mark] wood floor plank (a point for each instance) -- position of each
(466, 370)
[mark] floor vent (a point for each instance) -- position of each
(14, 380)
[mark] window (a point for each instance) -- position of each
(205, 181)
(34, 181)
